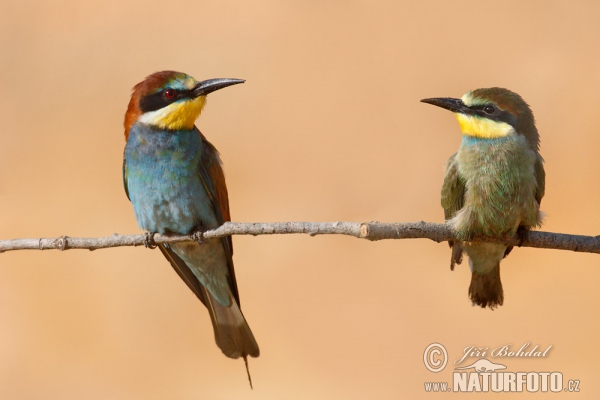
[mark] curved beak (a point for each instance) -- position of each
(208, 86)
(454, 105)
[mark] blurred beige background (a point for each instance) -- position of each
(327, 127)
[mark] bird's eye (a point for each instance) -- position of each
(169, 94)
(489, 109)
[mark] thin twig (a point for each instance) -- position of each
(365, 230)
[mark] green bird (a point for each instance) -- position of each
(493, 185)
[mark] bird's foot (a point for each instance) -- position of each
(149, 242)
(522, 235)
(199, 234)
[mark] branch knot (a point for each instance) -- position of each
(61, 243)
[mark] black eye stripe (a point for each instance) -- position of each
(480, 107)
(157, 100)
(497, 115)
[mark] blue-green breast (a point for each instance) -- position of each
(163, 180)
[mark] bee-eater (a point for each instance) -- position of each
(174, 180)
(493, 185)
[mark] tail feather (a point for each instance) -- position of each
(486, 289)
(232, 333)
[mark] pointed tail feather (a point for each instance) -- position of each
(232, 333)
(486, 289)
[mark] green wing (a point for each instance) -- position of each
(540, 177)
(453, 198)
(453, 189)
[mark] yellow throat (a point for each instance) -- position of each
(473, 125)
(177, 116)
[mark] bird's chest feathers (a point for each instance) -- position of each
(163, 181)
(500, 183)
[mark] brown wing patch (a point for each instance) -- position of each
(213, 179)
(215, 171)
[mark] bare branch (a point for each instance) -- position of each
(366, 230)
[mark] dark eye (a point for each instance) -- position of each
(169, 94)
(489, 109)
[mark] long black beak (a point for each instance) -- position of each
(454, 105)
(208, 86)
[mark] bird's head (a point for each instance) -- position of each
(170, 100)
(492, 113)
